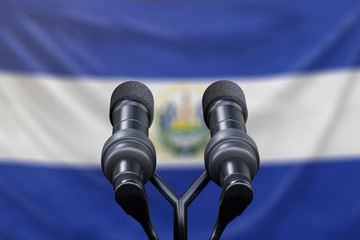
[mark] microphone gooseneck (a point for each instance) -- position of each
(231, 156)
(128, 157)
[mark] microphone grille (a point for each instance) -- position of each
(224, 90)
(133, 90)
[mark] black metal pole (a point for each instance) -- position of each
(180, 204)
(164, 189)
(180, 221)
(193, 191)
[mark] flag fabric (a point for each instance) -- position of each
(297, 62)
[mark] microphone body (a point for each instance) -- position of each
(231, 153)
(129, 153)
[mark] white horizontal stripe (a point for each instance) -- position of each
(56, 120)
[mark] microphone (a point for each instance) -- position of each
(231, 156)
(128, 157)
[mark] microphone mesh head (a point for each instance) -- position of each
(224, 90)
(133, 90)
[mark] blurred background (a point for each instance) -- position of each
(297, 62)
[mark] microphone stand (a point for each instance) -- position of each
(180, 203)
(231, 157)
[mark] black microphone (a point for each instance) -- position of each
(231, 156)
(128, 156)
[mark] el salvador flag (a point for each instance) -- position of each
(298, 63)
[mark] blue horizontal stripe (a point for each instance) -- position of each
(178, 38)
(292, 201)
